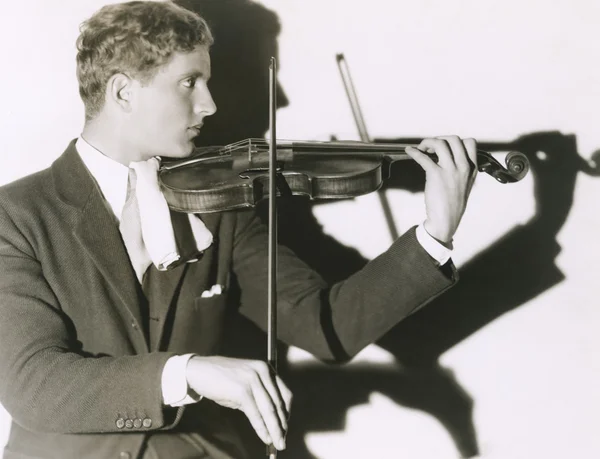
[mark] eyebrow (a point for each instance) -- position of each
(196, 74)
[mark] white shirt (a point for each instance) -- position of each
(111, 177)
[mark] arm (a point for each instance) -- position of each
(48, 383)
(336, 322)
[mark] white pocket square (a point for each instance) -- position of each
(216, 289)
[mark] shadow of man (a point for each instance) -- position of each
(515, 269)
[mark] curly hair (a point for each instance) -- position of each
(135, 38)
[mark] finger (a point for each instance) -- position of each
(286, 395)
(268, 411)
(250, 409)
(441, 149)
(459, 152)
(273, 390)
(421, 159)
(471, 146)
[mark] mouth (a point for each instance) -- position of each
(196, 129)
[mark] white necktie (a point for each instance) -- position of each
(131, 230)
(155, 226)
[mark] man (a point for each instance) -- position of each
(113, 307)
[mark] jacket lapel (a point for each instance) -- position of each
(97, 232)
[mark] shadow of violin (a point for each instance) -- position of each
(502, 277)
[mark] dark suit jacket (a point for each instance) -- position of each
(74, 359)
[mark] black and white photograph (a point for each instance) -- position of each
(300, 229)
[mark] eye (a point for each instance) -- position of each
(189, 82)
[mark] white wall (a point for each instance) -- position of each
(490, 69)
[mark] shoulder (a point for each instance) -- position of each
(35, 194)
(40, 182)
(26, 191)
(19, 217)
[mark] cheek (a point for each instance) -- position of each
(165, 111)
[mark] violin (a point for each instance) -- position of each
(235, 176)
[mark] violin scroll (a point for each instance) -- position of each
(517, 166)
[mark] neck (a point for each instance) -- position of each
(109, 138)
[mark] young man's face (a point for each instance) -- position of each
(167, 113)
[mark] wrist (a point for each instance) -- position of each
(176, 389)
(443, 237)
(190, 368)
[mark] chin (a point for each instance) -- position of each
(188, 150)
(180, 151)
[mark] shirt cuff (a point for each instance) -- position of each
(435, 249)
(175, 389)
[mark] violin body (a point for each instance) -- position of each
(236, 176)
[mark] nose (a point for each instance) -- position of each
(204, 103)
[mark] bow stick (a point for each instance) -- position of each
(272, 255)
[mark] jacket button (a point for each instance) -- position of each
(147, 422)
(125, 455)
(120, 423)
(129, 423)
(137, 423)
(134, 325)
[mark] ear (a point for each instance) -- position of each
(119, 91)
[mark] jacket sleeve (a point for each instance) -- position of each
(335, 322)
(47, 383)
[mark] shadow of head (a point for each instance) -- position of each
(245, 36)
(555, 164)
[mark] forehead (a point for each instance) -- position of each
(194, 62)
